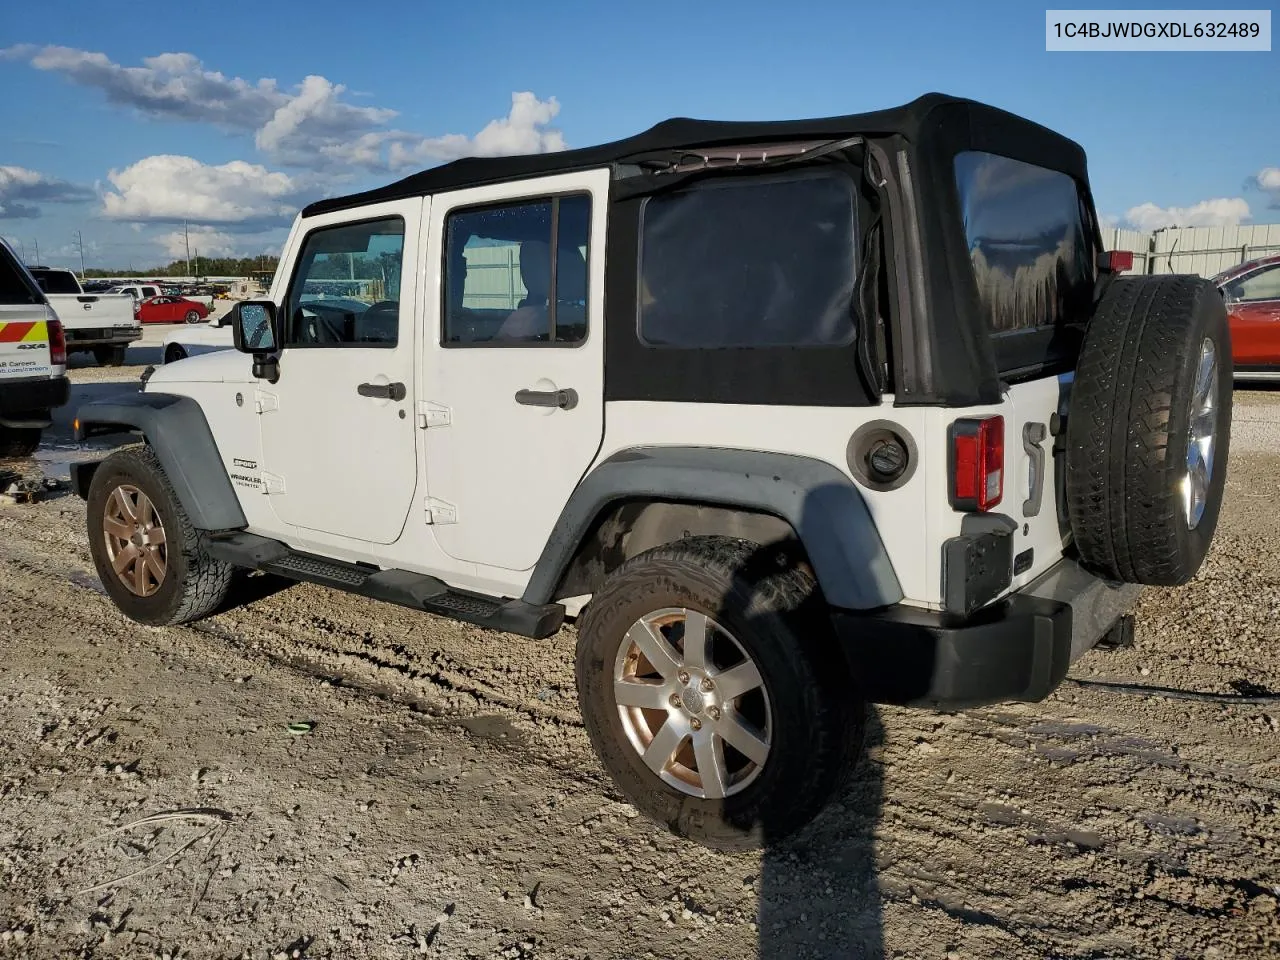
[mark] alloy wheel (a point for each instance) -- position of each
(136, 542)
(692, 703)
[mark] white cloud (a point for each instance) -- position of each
(204, 241)
(1220, 212)
(1268, 181)
(303, 127)
(168, 189)
(310, 125)
(171, 85)
(21, 189)
(525, 129)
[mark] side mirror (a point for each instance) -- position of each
(253, 330)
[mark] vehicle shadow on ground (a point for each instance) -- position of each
(819, 893)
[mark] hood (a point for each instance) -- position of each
(221, 366)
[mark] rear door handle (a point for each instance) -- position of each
(383, 391)
(564, 399)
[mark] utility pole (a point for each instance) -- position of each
(197, 273)
(187, 240)
(37, 243)
(80, 247)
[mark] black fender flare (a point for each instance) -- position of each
(176, 429)
(822, 505)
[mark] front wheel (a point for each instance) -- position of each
(193, 316)
(153, 563)
(174, 352)
(713, 693)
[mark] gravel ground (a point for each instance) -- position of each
(446, 802)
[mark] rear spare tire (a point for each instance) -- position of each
(1148, 430)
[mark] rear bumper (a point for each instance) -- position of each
(101, 336)
(1017, 649)
(28, 402)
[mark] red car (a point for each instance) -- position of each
(1252, 293)
(170, 310)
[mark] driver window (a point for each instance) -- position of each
(1263, 285)
(346, 289)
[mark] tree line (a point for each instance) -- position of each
(203, 266)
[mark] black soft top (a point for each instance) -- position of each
(948, 123)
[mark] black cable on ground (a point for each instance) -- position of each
(1172, 693)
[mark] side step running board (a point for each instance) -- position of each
(401, 587)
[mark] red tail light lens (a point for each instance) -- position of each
(57, 343)
(977, 463)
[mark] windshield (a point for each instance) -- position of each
(56, 281)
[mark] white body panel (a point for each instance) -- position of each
(94, 311)
(468, 485)
(28, 358)
(504, 468)
(341, 463)
(224, 387)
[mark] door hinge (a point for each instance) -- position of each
(271, 483)
(432, 414)
(264, 401)
(441, 511)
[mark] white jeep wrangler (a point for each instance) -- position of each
(796, 415)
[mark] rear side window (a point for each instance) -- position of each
(15, 288)
(750, 262)
(56, 281)
(1030, 247)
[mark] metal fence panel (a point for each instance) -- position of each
(1204, 251)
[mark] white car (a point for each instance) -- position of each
(792, 416)
(193, 339)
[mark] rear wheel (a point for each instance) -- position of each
(174, 352)
(19, 441)
(153, 563)
(1149, 429)
(713, 693)
(110, 356)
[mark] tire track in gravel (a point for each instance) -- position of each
(1089, 825)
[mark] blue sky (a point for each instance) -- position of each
(120, 124)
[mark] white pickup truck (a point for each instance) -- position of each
(101, 324)
(145, 291)
(33, 359)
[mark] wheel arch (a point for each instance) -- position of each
(175, 428)
(643, 497)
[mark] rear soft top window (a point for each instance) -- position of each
(15, 288)
(756, 261)
(1030, 246)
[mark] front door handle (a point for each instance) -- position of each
(564, 399)
(383, 391)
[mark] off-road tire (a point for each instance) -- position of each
(174, 352)
(111, 356)
(19, 441)
(777, 614)
(1127, 429)
(195, 583)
